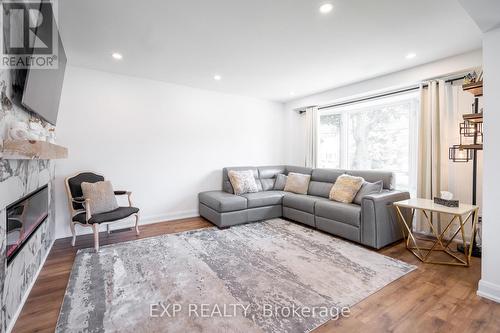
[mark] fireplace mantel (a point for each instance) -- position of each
(31, 149)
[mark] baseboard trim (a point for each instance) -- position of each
(170, 217)
(143, 221)
(28, 291)
(489, 290)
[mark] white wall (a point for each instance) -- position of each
(162, 141)
(489, 286)
(405, 78)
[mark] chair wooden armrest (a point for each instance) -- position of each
(86, 204)
(128, 194)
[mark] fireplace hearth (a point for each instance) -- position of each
(23, 218)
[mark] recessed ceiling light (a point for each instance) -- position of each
(411, 55)
(326, 8)
(117, 56)
(217, 77)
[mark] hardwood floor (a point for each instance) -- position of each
(433, 298)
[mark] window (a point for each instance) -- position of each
(379, 134)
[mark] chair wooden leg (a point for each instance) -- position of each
(95, 226)
(73, 231)
(137, 224)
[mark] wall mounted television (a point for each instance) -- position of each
(39, 90)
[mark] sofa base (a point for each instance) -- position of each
(343, 230)
(228, 219)
(299, 216)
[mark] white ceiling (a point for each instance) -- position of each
(486, 13)
(262, 48)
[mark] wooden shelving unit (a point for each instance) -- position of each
(31, 149)
(476, 146)
(475, 88)
(473, 117)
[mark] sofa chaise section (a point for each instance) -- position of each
(217, 207)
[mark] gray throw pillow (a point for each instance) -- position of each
(101, 195)
(367, 189)
(280, 182)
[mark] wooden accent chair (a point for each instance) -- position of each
(80, 208)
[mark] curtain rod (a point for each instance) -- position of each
(358, 100)
(395, 92)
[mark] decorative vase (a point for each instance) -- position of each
(19, 131)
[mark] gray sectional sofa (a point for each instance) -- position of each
(373, 223)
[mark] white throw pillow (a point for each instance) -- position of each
(345, 188)
(243, 181)
(101, 195)
(297, 183)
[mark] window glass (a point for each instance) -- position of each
(373, 135)
(329, 141)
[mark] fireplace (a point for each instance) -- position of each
(24, 217)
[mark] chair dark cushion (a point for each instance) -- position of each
(75, 185)
(114, 215)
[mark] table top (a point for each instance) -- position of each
(427, 204)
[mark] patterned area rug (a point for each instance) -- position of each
(273, 276)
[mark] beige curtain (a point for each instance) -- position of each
(430, 153)
(311, 136)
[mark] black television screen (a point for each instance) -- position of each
(39, 89)
(42, 89)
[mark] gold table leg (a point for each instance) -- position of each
(440, 237)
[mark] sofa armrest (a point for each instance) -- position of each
(379, 220)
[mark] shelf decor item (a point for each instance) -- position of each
(471, 131)
(459, 154)
(447, 203)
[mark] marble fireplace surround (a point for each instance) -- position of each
(19, 178)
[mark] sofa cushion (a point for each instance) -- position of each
(268, 174)
(322, 181)
(297, 183)
(301, 202)
(319, 189)
(226, 184)
(222, 201)
(280, 182)
(264, 198)
(298, 169)
(345, 188)
(326, 175)
(114, 215)
(338, 211)
(242, 181)
(367, 189)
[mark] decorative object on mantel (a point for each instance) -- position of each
(30, 149)
(18, 131)
(51, 135)
(471, 141)
(37, 131)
